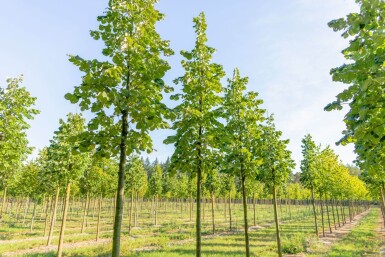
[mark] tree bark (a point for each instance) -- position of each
(63, 223)
(53, 217)
(86, 204)
(277, 221)
(120, 191)
(246, 225)
(99, 212)
(213, 211)
(4, 200)
(314, 213)
(33, 216)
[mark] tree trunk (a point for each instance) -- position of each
(33, 215)
(49, 204)
(156, 210)
(199, 184)
(314, 213)
(334, 217)
(230, 216)
(255, 221)
(246, 225)
(322, 217)
(99, 212)
(64, 219)
(191, 204)
(4, 200)
(277, 221)
(26, 209)
(130, 214)
(86, 204)
(327, 210)
(213, 211)
(53, 217)
(338, 215)
(120, 191)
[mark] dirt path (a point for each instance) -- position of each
(45, 249)
(341, 232)
(329, 239)
(381, 232)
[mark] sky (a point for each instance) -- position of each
(284, 47)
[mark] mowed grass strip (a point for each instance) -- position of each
(363, 240)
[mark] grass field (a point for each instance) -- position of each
(174, 235)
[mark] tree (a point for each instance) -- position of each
(124, 91)
(16, 108)
(71, 165)
(196, 122)
(309, 164)
(137, 184)
(155, 188)
(276, 167)
(243, 117)
(365, 76)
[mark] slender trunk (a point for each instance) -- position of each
(86, 203)
(213, 211)
(255, 221)
(46, 215)
(327, 211)
(33, 216)
(334, 217)
(156, 210)
(191, 205)
(225, 210)
(99, 212)
(230, 215)
(322, 217)
(130, 214)
(4, 200)
(277, 221)
(53, 217)
(26, 209)
(136, 210)
(199, 184)
(120, 190)
(64, 219)
(338, 215)
(314, 212)
(247, 245)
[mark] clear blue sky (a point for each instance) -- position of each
(284, 47)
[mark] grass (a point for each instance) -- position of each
(165, 239)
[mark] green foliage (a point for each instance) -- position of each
(129, 80)
(16, 108)
(196, 117)
(277, 163)
(138, 176)
(64, 164)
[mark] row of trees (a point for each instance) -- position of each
(324, 175)
(220, 130)
(364, 97)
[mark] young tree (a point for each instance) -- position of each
(155, 188)
(276, 168)
(16, 108)
(309, 176)
(124, 91)
(196, 122)
(243, 116)
(70, 164)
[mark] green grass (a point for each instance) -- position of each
(363, 240)
(165, 239)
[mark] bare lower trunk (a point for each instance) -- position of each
(277, 221)
(33, 216)
(63, 223)
(99, 212)
(53, 217)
